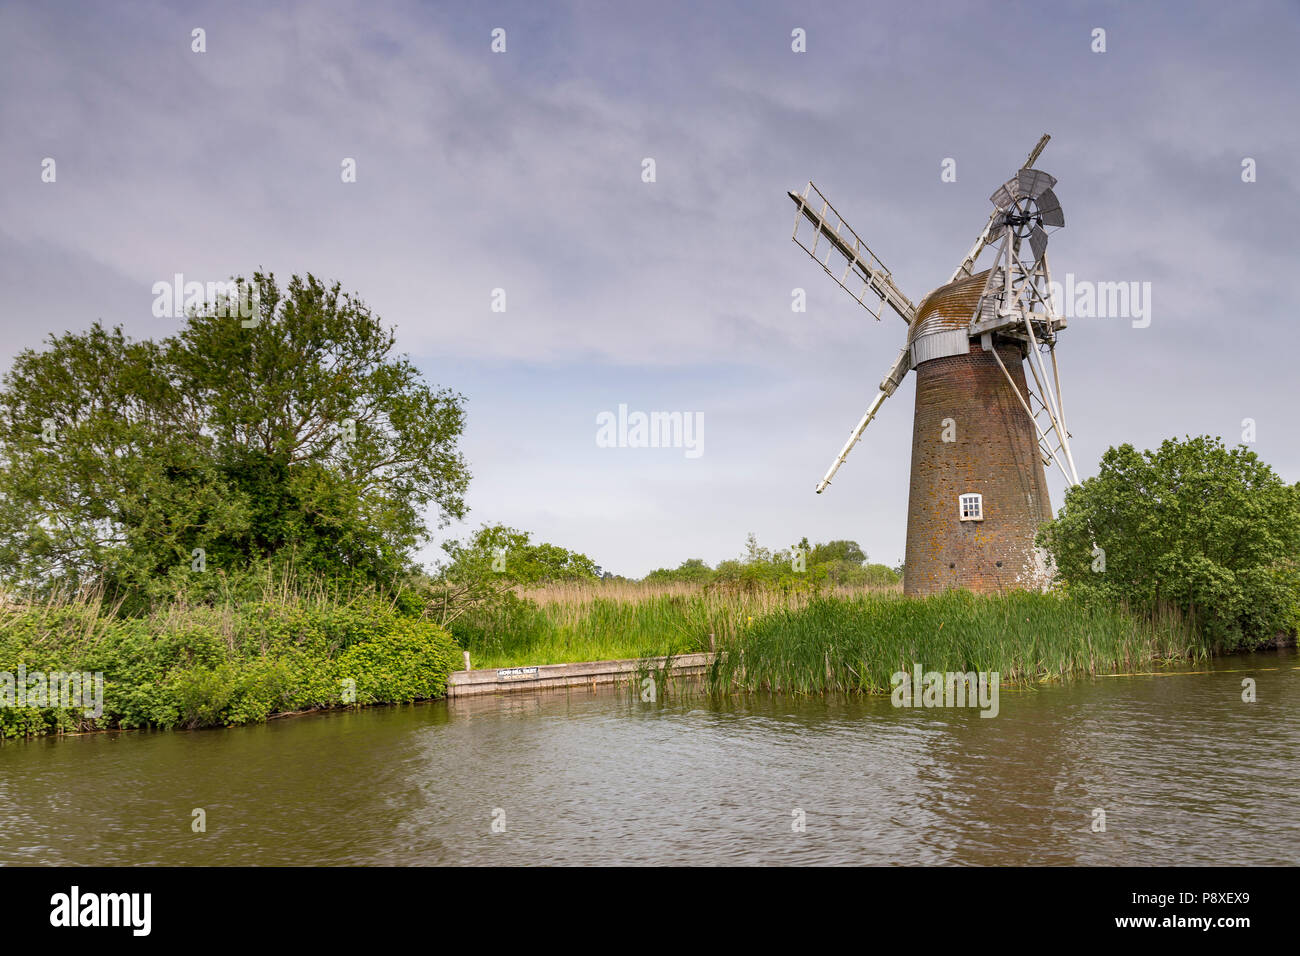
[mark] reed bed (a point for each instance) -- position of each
(576, 593)
(856, 645)
(600, 628)
(590, 621)
(846, 639)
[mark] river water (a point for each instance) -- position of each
(1185, 771)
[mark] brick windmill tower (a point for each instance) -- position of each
(983, 430)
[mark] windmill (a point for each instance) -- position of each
(982, 430)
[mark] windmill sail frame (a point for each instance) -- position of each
(859, 261)
(1014, 304)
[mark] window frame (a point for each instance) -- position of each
(962, 508)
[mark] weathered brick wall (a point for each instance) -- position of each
(995, 454)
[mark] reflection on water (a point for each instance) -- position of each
(1185, 771)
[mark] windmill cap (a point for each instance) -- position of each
(947, 309)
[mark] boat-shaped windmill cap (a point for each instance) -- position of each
(939, 327)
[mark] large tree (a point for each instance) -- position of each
(296, 434)
(1205, 528)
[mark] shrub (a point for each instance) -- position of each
(1213, 531)
(410, 661)
(202, 666)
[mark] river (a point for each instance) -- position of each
(1184, 770)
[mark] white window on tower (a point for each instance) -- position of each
(971, 507)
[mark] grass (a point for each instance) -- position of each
(857, 644)
(568, 623)
(841, 640)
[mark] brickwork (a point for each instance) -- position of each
(995, 454)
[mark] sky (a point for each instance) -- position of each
(524, 171)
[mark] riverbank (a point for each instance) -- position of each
(595, 622)
(604, 621)
(476, 683)
(853, 642)
(857, 645)
(201, 666)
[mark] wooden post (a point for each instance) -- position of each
(712, 645)
(467, 660)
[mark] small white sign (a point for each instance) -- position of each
(517, 673)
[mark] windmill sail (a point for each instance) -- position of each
(845, 257)
(887, 387)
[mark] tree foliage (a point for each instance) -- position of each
(830, 563)
(1211, 530)
(294, 436)
(484, 571)
(849, 551)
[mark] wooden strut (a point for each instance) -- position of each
(1041, 436)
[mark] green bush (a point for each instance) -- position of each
(205, 667)
(410, 661)
(1210, 530)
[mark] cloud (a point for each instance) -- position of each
(522, 171)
